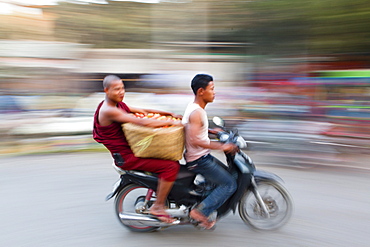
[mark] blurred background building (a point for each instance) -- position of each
(288, 73)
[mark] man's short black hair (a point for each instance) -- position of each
(109, 79)
(200, 81)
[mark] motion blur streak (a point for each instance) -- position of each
(278, 65)
(294, 76)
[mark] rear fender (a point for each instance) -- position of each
(180, 188)
(118, 186)
(133, 177)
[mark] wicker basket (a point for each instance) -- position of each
(159, 143)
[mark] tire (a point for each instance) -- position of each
(277, 200)
(130, 200)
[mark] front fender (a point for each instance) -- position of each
(263, 176)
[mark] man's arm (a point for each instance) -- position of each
(146, 111)
(114, 114)
(214, 131)
(194, 127)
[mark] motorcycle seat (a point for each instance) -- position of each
(183, 172)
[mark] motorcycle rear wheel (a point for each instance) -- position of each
(130, 200)
(277, 201)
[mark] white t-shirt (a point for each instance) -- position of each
(192, 151)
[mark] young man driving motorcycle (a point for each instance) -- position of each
(198, 147)
(108, 118)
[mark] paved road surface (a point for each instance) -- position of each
(58, 200)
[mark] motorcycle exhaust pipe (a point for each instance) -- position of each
(144, 220)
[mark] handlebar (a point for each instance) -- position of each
(232, 136)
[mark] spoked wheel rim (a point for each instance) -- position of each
(277, 201)
(131, 200)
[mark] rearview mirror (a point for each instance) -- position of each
(218, 121)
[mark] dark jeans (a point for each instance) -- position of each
(211, 169)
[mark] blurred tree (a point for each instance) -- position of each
(113, 25)
(314, 27)
(339, 26)
(273, 27)
(278, 27)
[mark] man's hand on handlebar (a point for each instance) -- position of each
(214, 131)
(230, 148)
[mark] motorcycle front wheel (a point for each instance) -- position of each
(277, 201)
(130, 200)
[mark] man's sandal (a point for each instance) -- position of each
(164, 218)
(202, 219)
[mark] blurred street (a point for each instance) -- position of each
(58, 200)
(292, 76)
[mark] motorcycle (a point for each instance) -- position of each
(261, 199)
